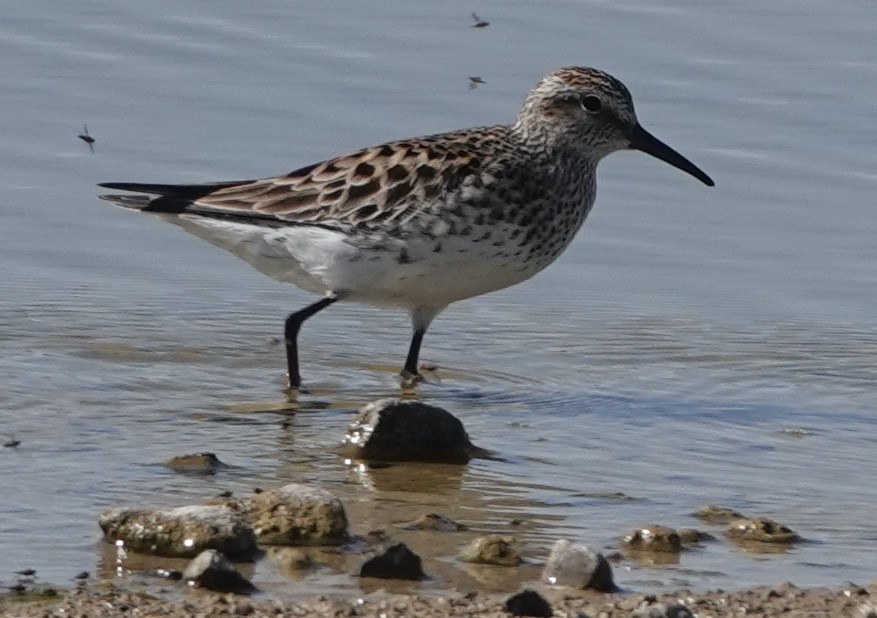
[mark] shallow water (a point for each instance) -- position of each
(693, 346)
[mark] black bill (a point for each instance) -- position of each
(640, 139)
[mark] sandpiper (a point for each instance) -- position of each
(423, 222)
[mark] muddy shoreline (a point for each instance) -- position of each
(784, 599)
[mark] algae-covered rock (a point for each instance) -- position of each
(654, 539)
(296, 514)
(762, 530)
(185, 531)
(493, 549)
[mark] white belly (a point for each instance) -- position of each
(393, 272)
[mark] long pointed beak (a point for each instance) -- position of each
(640, 139)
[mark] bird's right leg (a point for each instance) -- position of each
(293, 325)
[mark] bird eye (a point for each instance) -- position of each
(591, 104)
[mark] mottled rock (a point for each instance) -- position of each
(493, 549)
(528, 603)
(654, 539)
(181, 532)
(397, 562)
(762, 530)
(576, 566)
(198, 463)
(394, 430)
(433, 522)
(212, 570)
(713, 514)
(296, 514)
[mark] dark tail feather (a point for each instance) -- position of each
(171, 198)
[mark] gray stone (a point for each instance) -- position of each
(576, 566)
(394, 430)
(493, 549)
(181, 532)
(296, 514)
(212, 570)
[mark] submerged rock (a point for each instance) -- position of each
(576, 566)
(493, 549)
(692, 537)
(213, 571)
(762, 530)
(296, 514)
(398, 562)
(714, 514)
(185, 531)
(198, 463)
(433, 522)
(654, 539)
(291, 558)
(528, 603)
(394, 430)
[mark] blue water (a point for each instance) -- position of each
(694, 345)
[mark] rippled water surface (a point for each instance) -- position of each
(694, 345)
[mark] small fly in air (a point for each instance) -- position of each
(479, 23)
(85, 137)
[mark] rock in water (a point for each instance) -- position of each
(493, 549)
(184, 532)
(398, 562)
(394, 430)
(296, 514)
(762, 530)
(198, 463)
(654, 539)
(434, 522)
(213, 571)
(576, 566)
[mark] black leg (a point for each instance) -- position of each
(410, 369)
(293, 325)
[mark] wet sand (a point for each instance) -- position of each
(785, 600)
